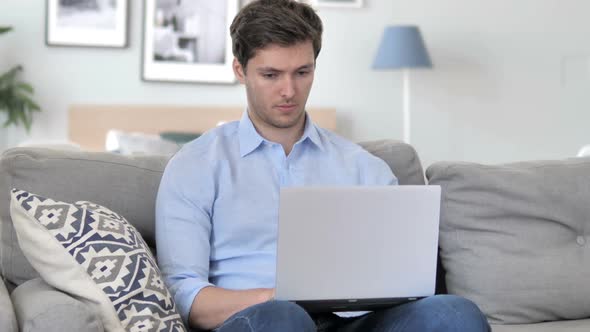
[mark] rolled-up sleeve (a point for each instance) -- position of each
(183, 229)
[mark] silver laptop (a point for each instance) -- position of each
(357, 248)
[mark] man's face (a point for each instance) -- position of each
(278, 81)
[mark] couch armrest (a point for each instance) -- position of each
(40, 307)
(7, 316)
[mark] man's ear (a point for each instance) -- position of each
(239, 71)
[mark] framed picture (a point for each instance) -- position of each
(188, 41)
(92, 23)
(339, 3)
(309, 2)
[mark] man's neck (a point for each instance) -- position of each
(287, 137)
(288, 140)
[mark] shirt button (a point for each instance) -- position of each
(581, 240)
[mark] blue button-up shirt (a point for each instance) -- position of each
(218, 202)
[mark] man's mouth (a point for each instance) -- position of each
(286, 107)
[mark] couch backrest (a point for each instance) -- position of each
(401, 158)
(125, 184)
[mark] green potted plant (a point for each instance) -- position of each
(15, 96)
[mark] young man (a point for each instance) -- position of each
(217, 206)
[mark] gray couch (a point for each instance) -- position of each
(514, 238)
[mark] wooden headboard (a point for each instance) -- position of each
(89, 124)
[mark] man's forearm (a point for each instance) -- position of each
(213, 305)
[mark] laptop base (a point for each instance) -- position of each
(320, 306)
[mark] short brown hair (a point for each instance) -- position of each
(282, 22)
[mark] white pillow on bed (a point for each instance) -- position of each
(133, 143)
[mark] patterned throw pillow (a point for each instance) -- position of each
(94, 254)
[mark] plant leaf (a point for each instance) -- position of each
(16, 99)
(12, 112)
(26, 120)
(8, 78)
(25, 86)
(5, 29)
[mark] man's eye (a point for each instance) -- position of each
(269, 75)
(303, 73)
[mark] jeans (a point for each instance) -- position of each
(435, 313)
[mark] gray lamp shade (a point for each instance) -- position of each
(402, 47)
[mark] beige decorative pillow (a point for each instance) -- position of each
(94, 254)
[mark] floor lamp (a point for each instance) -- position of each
(402, 47)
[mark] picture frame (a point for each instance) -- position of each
(309, 2)
(339, 3)
(188, 42)
(87, 23)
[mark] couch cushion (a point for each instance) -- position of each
(40, 307)
(7, 316)
(401, 158)
(126, 184)
(95, 255)
(581, 325)
(515, 239)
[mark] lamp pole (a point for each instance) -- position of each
(402, 47)
(406, 106)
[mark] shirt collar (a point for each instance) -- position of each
(311, 132)
(250, 139)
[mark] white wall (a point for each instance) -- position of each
(510, 80)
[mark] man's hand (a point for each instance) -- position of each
(213, 305)
(268, 294)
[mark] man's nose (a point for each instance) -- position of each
(288, 88)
